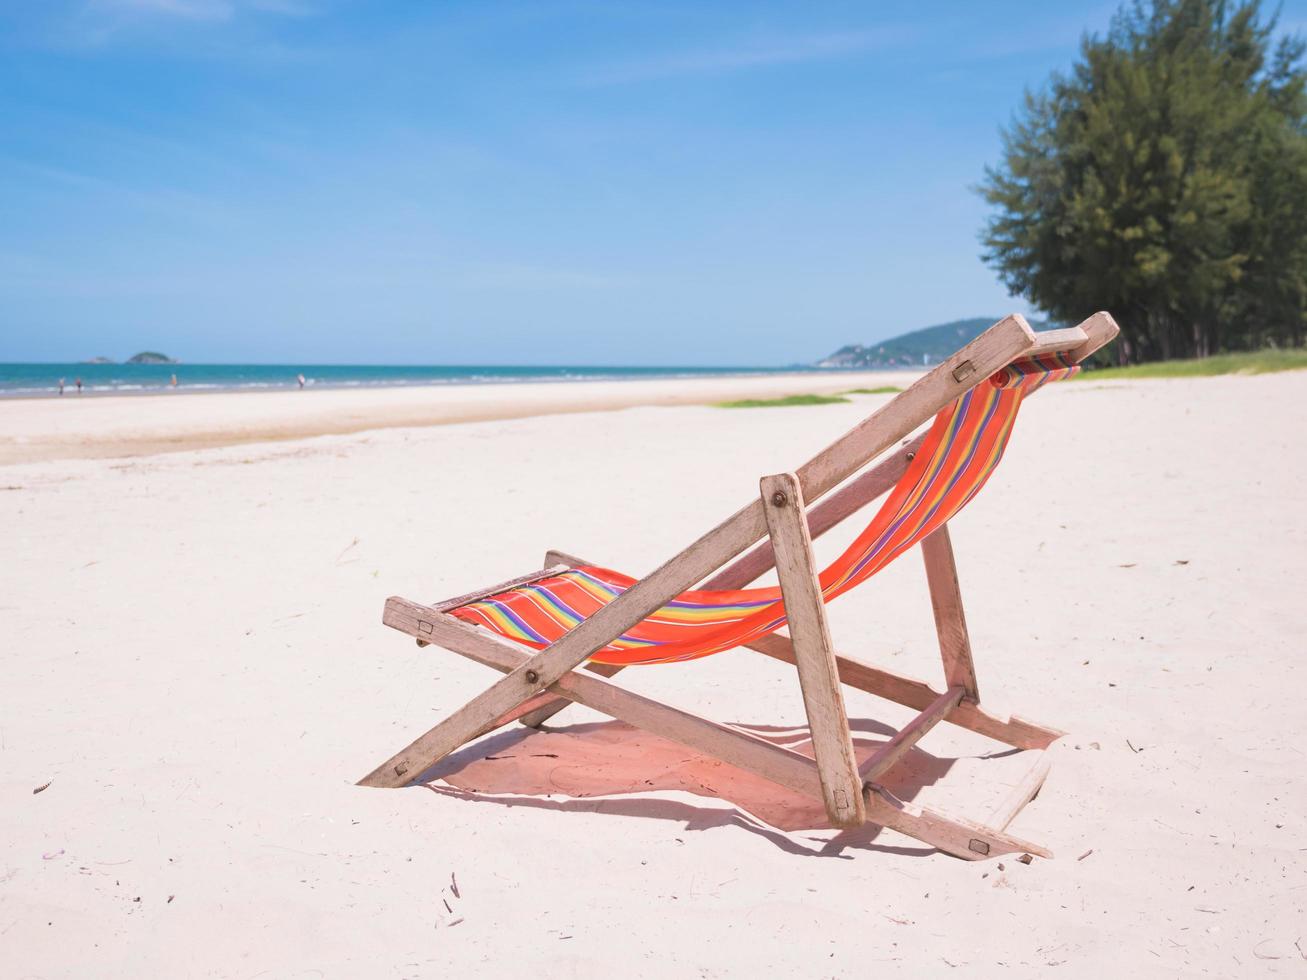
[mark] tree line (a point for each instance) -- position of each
(1164, 178)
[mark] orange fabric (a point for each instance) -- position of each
(962, 448)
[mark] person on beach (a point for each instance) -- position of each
(61, 386)
(300, 379)
(173, 382)
(78, 382)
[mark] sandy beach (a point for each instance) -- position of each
(97, 427)
(194, 670)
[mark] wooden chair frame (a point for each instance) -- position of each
(538, 684)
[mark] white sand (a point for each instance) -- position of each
(192, 659)
(95, 427)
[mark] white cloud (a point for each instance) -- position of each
(287, 8)
(181, 9)
(200, 10)
(744, 55)
(533, 277)
(175, 25)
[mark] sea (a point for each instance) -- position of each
(43, 380)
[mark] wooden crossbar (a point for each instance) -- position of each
(909, 735)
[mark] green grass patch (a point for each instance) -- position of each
(882, 390)
(1244, 362)
(785, 402)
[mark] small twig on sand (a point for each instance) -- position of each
(1085, 855)
(345, 550)
(453, 885)
(42, 788)
(1132, 748)
(1263, 956)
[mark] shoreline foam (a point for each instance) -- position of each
(23, 380)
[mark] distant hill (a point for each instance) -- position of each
(151, 357)
(929, 345)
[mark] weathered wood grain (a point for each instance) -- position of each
(828, 723)
(950, 620)
(1022, 793)
(909, 735)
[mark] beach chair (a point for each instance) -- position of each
(539, 628)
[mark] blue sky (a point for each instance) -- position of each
(313, 181)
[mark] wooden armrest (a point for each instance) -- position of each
(462, 600)
(1055, 341)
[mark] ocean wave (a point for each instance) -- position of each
(39, 380)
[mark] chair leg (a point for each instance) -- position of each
(1022, 793)
(950, 622)
(953, 835)
(828, 722)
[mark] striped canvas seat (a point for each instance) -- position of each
(961, 450)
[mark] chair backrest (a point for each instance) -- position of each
(956, 458)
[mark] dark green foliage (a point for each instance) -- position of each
(1163, 179)
(881, 390)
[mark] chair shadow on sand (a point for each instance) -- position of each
(594, 766)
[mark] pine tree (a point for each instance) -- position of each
(1163, 178)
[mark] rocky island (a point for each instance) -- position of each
(151, 357)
